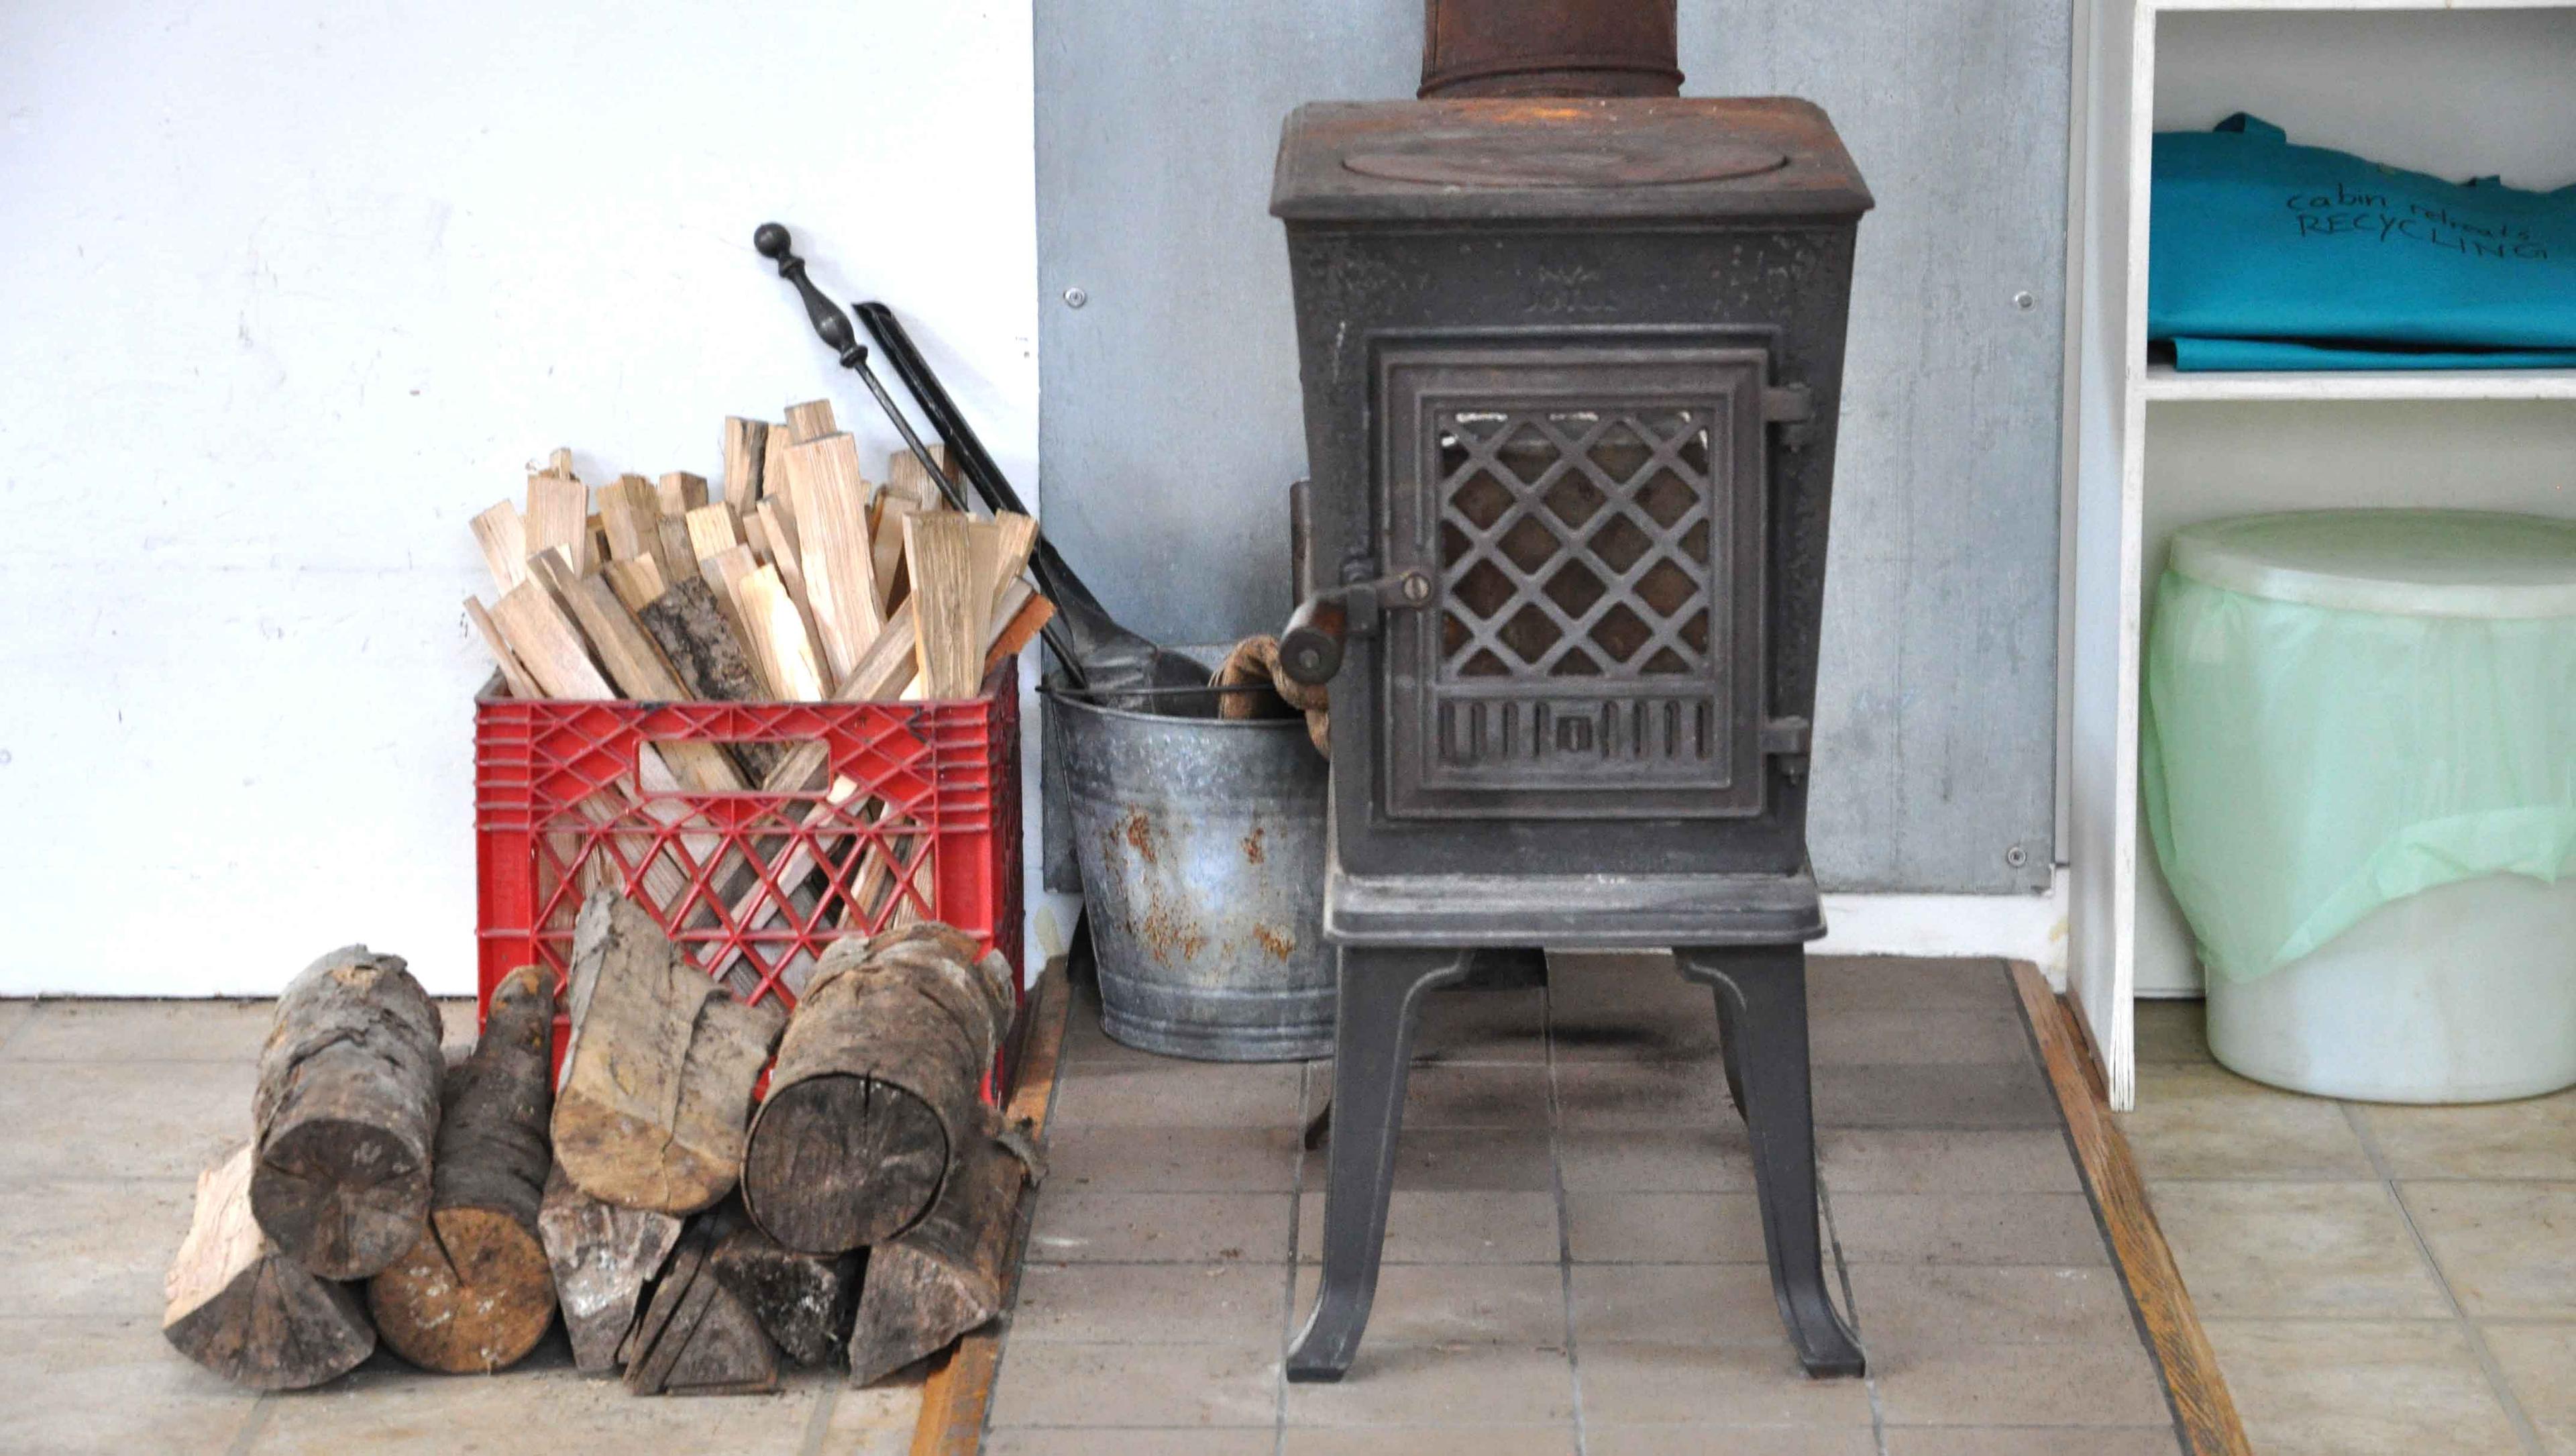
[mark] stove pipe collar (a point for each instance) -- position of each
(1549, 48)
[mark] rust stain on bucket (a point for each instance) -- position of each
(1140, 834)
(1172, 938)
(1202, 867)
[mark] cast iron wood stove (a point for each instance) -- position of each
(1571, 373)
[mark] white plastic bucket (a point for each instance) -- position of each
(2364, 719)
(2465, 993)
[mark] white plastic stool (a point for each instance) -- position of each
(2461, 992)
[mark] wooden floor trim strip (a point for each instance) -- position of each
(2206, 1412)
(960, 1386)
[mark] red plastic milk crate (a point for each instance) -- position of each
(922, 810)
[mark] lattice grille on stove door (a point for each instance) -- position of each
(1593, 521)
(1574, 543)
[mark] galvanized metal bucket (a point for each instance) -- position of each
(1201, 842)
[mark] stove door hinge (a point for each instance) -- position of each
(1787, 738)
(1310, 646)
(1792, 407)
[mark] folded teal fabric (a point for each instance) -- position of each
(2266, 255)
(2289, 354)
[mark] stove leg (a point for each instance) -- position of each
(1728, 1039)
(1762, 1000)
(1372, 1046)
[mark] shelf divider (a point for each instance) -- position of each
(2162, 382)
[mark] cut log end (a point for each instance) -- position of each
(276, 1327)
(913, 1307)
(306, 1196)
(247, 1312)
(347, 1113)
(944, 1276)
(697, 1337)
(875, 1087)
(474, 1292)
(803, 1301)
(474, 1295)
(840, 1161)
(602, 1257)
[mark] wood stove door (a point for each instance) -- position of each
(1593, 516)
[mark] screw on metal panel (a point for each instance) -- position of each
(2016, 856)
(1417, 587)
(1075, 298)
(2025, 300)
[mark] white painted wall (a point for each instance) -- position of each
(289, 290)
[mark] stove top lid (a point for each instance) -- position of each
(1563, 158)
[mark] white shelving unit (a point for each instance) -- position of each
(2470, 87)
(2164, 384)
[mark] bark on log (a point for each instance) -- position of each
(803, 1301)
(347, 1113)
(688, 623)
(877, 1080)
(602, 1257)
(243, 1309)
(944, 1276)
(475, 1293)
(657, 1078)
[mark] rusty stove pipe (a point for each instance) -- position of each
(1549, 48)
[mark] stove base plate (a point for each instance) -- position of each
(1572, 912)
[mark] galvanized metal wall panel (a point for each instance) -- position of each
(1169, 423)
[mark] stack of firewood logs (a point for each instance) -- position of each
(800, 582)
(688, 1232)
(372, 1160)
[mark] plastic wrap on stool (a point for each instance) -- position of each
(2344, 709)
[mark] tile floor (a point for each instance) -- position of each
(1574, 1258)
(107, 1111)
(2375, 1279)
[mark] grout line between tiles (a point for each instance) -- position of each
(2092, 1432)
(2328, 1317)
(2514, 1415)
(249, 1434)
(1564, 1227)
(819, 1424)
(1025, 1225)
(172, 1180)
(1399, 1425)
(14, 1060)
(1288, 1298)
(35, 1008)
(2213, 1179)
(1851, 1309)
(73, 1316)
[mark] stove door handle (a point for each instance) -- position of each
(1311, 645)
